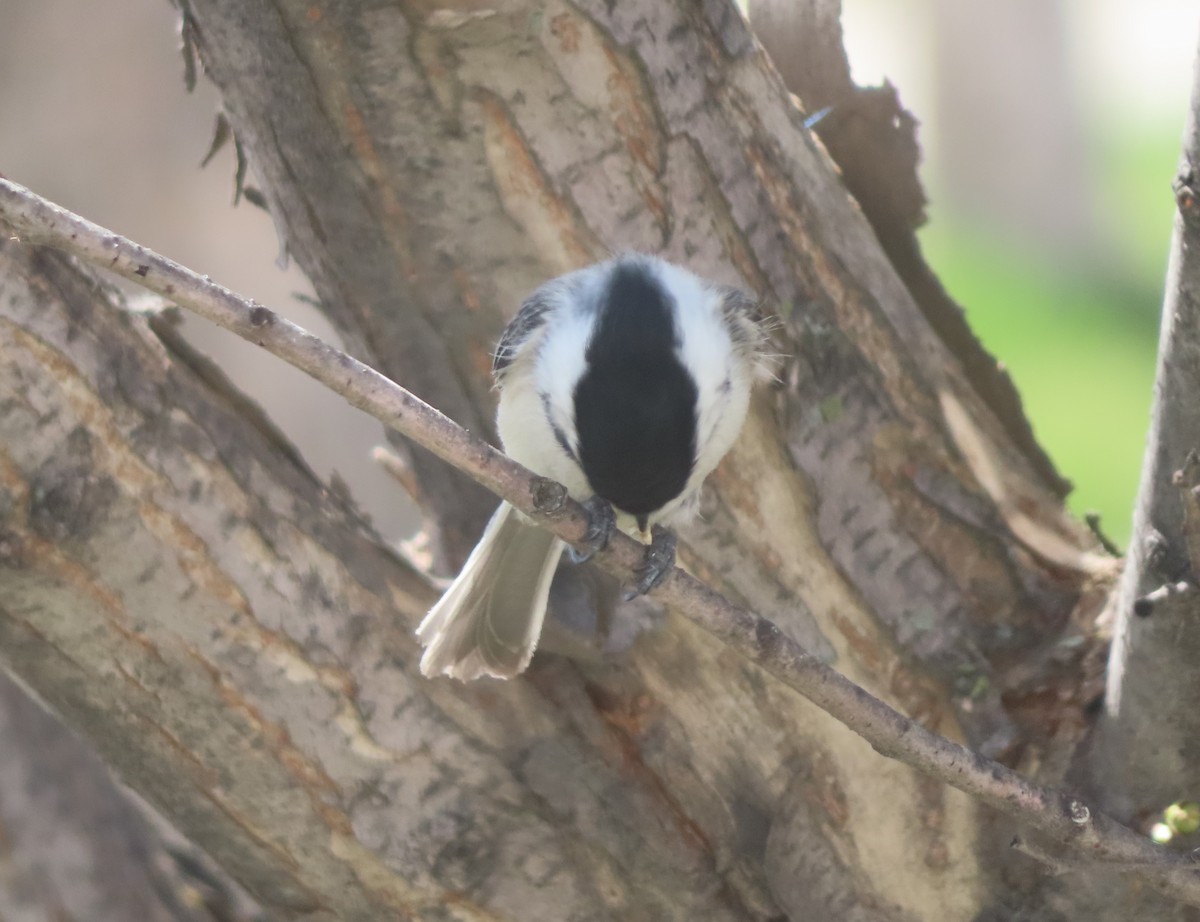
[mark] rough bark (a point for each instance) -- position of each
(227, 633)
(75, 846)
(161, 549)
(1066, 821)
(873, 140)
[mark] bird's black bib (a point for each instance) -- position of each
(635, 405)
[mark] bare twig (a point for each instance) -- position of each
(1153, 601)
(1064, 819)
(1097, 528)
(1054, 863)
(400, 471)
(1063, 864)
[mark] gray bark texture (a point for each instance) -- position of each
(1147, 753)
(76, 846)
(236, 643)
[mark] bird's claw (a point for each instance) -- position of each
(656, 565)
(601, 523)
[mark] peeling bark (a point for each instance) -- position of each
(873, 140)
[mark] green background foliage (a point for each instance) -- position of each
(1079, 339)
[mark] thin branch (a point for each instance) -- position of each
(1059, 864)
(1065, 819)
(1153, 602)
(1053, 862)
(400, 471)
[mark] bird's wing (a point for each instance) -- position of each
(742, 315)
(523, 328)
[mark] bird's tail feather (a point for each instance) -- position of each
(489, 620)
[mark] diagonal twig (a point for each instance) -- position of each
(1089, 834)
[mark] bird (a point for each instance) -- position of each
(626, 381)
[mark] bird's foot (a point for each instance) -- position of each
(656, 565)
(601, 522)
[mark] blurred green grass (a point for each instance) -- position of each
(1080, 339)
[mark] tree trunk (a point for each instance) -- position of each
(74, 846)
(1146, 755)
(238, 645)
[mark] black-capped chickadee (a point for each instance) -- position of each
(626, 382)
